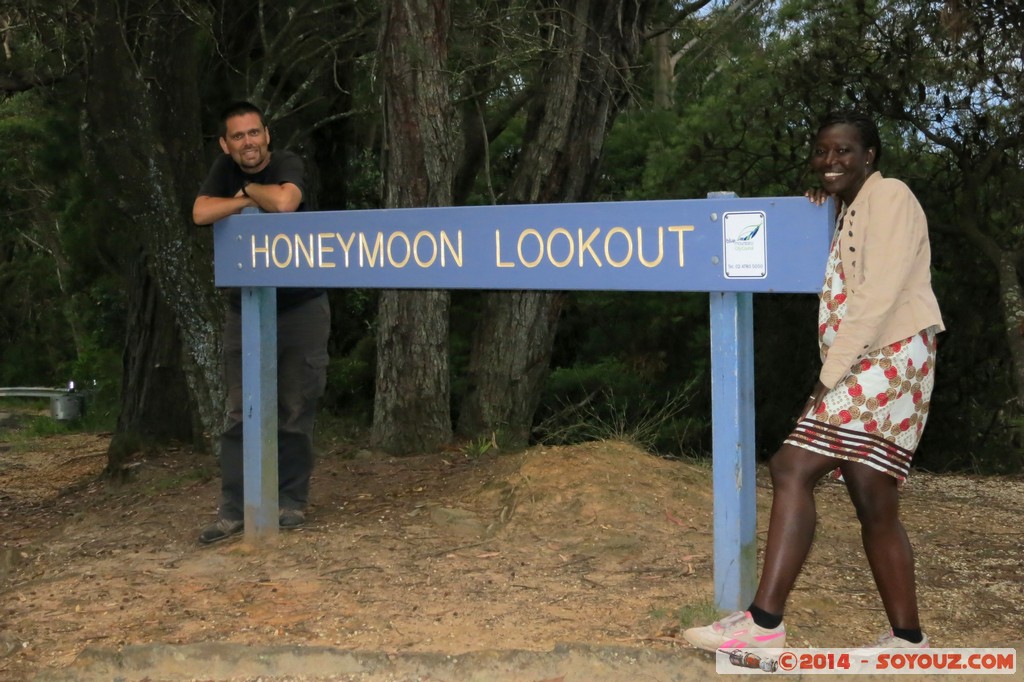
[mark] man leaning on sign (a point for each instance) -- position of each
(250, 175)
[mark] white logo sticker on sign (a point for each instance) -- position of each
(744, 245)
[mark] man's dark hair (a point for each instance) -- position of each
(864, 124)
(239, 108)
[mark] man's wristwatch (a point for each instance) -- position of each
(244, 193)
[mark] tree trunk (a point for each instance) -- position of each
(511, 366)
(1012, 296)
(664, 89)
(1005, 261)
(152, 376)
(412, 411)
(1011, 293)
(585, 79)
(1013, 315)
(142, 128)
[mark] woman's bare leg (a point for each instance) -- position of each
(794, 472)
(876, 498)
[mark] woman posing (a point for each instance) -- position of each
(878, 318)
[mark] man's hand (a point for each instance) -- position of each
(208, 210)
(283, 198)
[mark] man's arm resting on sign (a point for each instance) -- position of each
(283, 198)
(207, 210)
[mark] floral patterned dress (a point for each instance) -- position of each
(876, 415)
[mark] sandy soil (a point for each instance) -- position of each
(599, 543)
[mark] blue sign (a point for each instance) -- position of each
(723, 245)
(728, 244)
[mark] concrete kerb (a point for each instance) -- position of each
(234, 662)
(226, 662)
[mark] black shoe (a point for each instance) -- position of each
(222, 528)
(290, 518)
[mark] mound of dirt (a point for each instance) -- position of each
(599, 543)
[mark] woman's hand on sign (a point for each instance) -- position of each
(817, 196)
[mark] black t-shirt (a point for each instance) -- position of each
(226, 178)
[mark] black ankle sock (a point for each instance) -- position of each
(914, 636)
(766, 620)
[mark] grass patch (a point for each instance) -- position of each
(23, 426)
(693, 615)
(338, 433)
(174, 481)
(645, 421)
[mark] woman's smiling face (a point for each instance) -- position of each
(841, 161)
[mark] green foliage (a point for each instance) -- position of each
(633, 366)
(662, 337)
(43, 425)
(608, 401)
(352, 369)
(637, 138)
(942, 78)
(480, 447)
(350, 382)
(746, 105)
(32, 420)
(358, 185)
(61, 316)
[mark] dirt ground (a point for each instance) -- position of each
(599, 543)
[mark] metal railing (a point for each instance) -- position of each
(65, 403)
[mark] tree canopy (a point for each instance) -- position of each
(108, 122)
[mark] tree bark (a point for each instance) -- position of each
(142, 129)
(412, 410)
(1013, 315)
(1011, 298)
(585, 79)
(663, 77)
(152, 378)
(1011, 293)
(509, 363)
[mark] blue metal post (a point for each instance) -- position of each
(732, 415)
(259, 411)
(733, 468)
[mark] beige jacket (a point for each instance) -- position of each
(887, 264)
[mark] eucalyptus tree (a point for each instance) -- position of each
(561, 69)
(148, 75)
(581, 79)
(141, 133)
(411, 404)
(587, 69)
(729, 125)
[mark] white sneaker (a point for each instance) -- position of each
(891, 641)
(736, 631)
